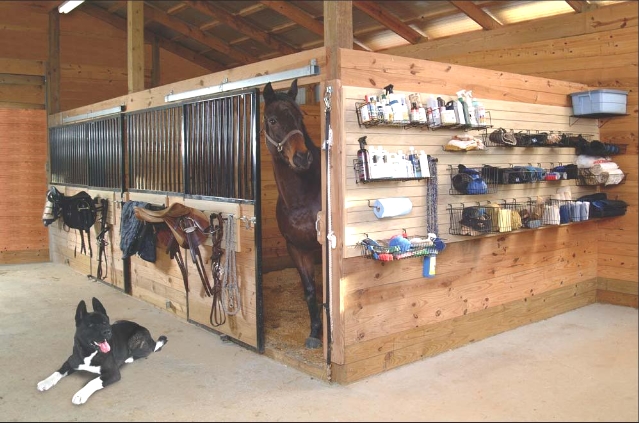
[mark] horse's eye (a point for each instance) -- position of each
(272, 121)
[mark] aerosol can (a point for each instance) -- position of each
(362, 157)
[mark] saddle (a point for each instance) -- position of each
(189, 228)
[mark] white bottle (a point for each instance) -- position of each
(383, 165)
(373, 168)
(423, 164)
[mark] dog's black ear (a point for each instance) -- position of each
(80, 312)
(97, 306)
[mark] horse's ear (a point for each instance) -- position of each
(80, 312)
(292, 92)
(268, 93)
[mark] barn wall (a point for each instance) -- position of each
(93, 57)
(597, 48)
(391, 314)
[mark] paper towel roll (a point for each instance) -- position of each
(390, 207)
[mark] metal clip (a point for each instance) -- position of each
(327, 97)
(249, 221)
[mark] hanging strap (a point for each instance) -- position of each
(231, 298)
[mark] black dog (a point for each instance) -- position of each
(101, 348)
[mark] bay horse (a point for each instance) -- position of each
(296, 166)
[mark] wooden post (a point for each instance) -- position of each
(53, 63)
(155, 58)
(338, 34)
(135, 45)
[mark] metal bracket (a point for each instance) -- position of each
(248, 221)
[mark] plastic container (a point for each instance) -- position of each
(599, 101)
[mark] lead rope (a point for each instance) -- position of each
(217, 316)
(231, 299)
(330, 236)
(431, 193)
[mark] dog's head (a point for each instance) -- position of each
(93, 330)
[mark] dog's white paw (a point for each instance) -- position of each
(79, 398)
(49, 382)
(83, 394)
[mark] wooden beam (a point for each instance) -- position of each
(164, 43)
(389, 20)
(242, 25)
(53, 68)
(297, 15)
(338, 33)
(117, 5)
(155, 60)
(477, 14)
(195, 33)
(578, 5)
(303, 19)
(135, 45)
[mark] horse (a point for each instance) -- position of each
(296, 167)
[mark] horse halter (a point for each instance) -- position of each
(281, 143)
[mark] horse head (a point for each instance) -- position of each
(284, 129)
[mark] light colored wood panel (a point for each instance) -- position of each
(511, 36)
(378, 355)
(617, 298)
(24, 256)
(375, 70)
(616, 285)
(158, 301)
(620, 273)
(394, 308)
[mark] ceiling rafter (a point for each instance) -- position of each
(578, 5)
(303, 19)
(242, 25)
(389, 20)
(195, 33)
(183, 52)
(117, 5)
(477, 14)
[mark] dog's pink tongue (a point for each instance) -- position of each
(104, 347)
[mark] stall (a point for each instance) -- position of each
(380, 309)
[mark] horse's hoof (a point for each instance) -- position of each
(313, 343)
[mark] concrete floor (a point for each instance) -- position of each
(579, 366)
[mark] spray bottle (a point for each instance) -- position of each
(362, 157)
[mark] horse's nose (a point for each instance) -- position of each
(303, 160)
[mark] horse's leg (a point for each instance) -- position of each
(305, 263)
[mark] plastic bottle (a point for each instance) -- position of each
(415, 163)
(428, 270)
(364, 113)
(423, 164)
(464, 112)
(436, 116)
(373, 170)
(468, 99)
(362, 156)
(480, 112)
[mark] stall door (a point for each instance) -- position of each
(221, 178)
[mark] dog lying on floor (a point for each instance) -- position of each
(102, 348)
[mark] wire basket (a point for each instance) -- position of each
(472, 180)
(419, 246)
(470, 220)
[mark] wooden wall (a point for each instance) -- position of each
(597, 48)
(93, 57)
(390, 314)
(23, 156)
